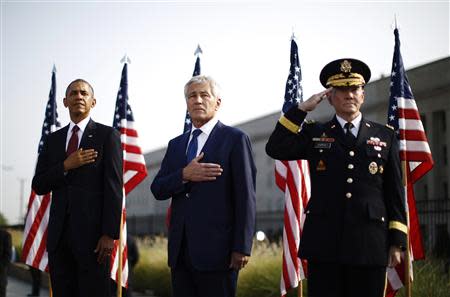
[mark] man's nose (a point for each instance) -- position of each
(198, 99)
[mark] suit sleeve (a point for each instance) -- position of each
(48, 176)
(289, 140)
(113, 185)
(244, 194)
(168, 182)
(395, 198)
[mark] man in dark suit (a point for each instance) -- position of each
(355, 223)
(5, 258)
(81, 164)
(210, 175)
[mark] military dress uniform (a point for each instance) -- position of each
(356, 210)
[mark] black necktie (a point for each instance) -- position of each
(73, 141)
(350, 138)
(193, 146)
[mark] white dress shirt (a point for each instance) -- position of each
(82, 125)
(203, 137)
(356, 124)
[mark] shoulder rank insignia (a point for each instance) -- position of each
(309, 122)
(390, 127)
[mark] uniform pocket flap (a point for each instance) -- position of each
(377, 212)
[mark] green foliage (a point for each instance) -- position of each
(261, 277)
(3, 220)
(152, 272)
(430, 279)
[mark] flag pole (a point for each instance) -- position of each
(407, 254)
(300, 288)
(50, 291)
(125, 60)
(119, 266)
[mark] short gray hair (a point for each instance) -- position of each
(200, 79)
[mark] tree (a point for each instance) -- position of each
(3, 220)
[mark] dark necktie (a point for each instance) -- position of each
(73, 141)
(350, 138)
(193, 146)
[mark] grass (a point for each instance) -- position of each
(261, 277)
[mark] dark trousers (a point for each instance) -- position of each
(3, 278)
(187, 281)
(75, 274)
(337, 280)
(35, 281)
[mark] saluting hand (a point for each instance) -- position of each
(198, 172)
(314, 100)
(79, 158)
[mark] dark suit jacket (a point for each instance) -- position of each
(5, 247)
(218, 217)
(88, 198)
(356, 210)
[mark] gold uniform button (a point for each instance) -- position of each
(382, 219)
(348, 195)
(349, 180)
(379, 155)
(351, 153)
(350, 166)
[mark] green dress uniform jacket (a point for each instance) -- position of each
(356, 210)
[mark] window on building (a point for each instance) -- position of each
(425, 239)
(440, 248)
(445, 188)
(444, 154)
(425, 192)
(424, 122)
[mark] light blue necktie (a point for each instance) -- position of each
(193, 146)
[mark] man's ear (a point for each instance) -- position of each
(218, 102)
(94, 102)
(65, 102)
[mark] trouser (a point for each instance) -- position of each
(75, 274)
(339, 280)
(187, 281)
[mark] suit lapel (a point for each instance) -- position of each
(88, 135)
(334, 129)
(61, 150)
(212, 141)
(363, 133)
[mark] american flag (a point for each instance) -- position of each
(293, 178)
(134, 169)
(187, 120)
(197, 71)
(404, 116)
(34, 251)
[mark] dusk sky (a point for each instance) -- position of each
(246, 48)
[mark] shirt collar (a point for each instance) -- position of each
(356, 121)
(82, 124)
(207, 128)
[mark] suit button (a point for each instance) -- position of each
(350, 166)
(348, 195)
(382, 219)
(187, 195)
(379, 155)
(349, 180)
(351, 153)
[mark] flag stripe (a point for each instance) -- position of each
(404, 116)
(134, 170)
(292, 177)
(34, 251)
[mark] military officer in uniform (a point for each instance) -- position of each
(355, 224)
